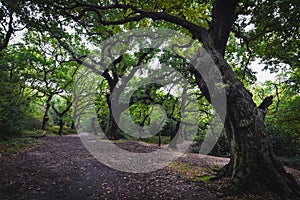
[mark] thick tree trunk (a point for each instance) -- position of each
(112, 127)
(45, 117)
(253, 164)
(73, 127)
(227, 170)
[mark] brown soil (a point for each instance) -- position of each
(61, 168)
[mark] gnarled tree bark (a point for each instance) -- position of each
(46, 114)
(254, 165)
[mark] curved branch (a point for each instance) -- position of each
(8, 34)
(197, 31)
(266, 103)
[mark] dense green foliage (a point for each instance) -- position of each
(282, 121)
(16, 109)
(283, 127)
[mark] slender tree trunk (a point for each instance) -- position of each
(73, 125)
(46, 114)
(159, 138)
(61, 126)
(94, 125)
(61, 115)
(174, 136)
(45, 117)
(183, 108)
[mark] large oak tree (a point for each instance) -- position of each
(253, 164)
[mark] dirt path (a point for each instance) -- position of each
(61, 168)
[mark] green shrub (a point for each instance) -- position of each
(154, 139)
(12, 145)
(221, 148)
(283, 128)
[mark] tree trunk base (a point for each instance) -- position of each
(262, 179)
(43, 134)
(225, 171)
(269, 176)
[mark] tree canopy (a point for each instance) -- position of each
(58, 36)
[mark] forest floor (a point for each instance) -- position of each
(61, 168)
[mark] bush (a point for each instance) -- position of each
(221, 148)
(14, 117)
(283, 143)
(283, 128)
(154, 139)
(12, 145)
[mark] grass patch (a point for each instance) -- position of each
(154, 140)
(293, 162)
(191, 173)
(12, 145)
(53, 130)
(113, 141)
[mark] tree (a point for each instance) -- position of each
(50, 71)
(112, 75)
(7, 21)
(253, 164)
(281, 120)
(14, 100)
(179, 107)
(142, 107)
(62, 112)
(276, 42)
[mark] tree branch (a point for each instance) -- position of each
(8, 34)
(266, 103)
(197, 31)
(224, 14)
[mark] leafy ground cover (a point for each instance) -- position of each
(12, 145)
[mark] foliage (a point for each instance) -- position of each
(48, 60)
(293, 162)
(14, 101)
(282, 121)
(192, 173)
(283, 127)
(239, 57)
(41, 52)
(13, 145)
(154, 139)
(274, 41)
(13, 111)
(220, 149)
